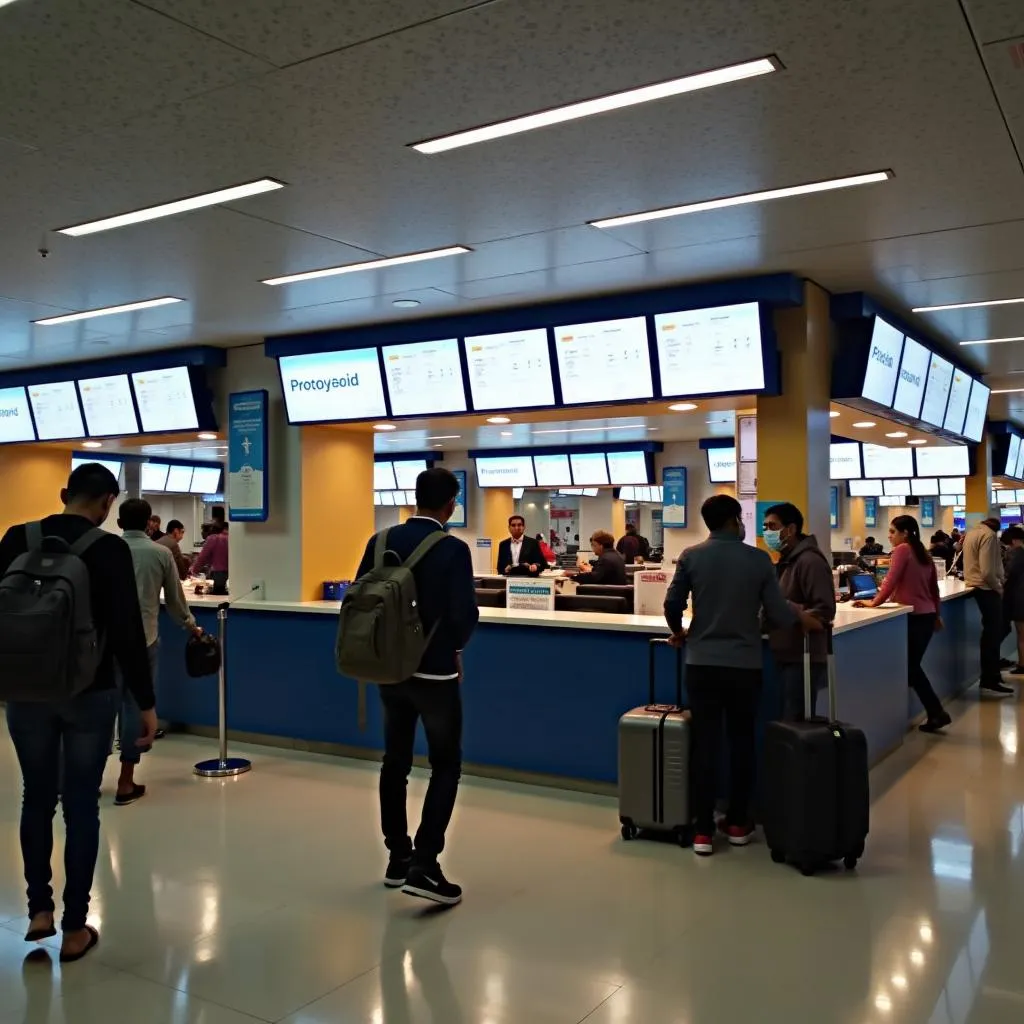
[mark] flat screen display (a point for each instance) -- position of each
(107, 404)
(892, 501)
(154, 477)
(883, 363)
(179, 479)
(424, 378)
(165, 399)
(378, 498)
(56, 410)
(588, 468)
(952, 485)
(205, 480)
(114, 465)
(552, 470)
(506, 471)
(977, 407)
(510, 371)
(383, 476)
(1018, 472)
(722, 465)
(924, 486)
(406, 473)
(948, 460)
(865, 488)
(15, 418)
(710, 351)
(604, 362)
(951, 499)
(880, 461)
(627, 468)
(959, 396)
(912, 378)
(844, 460)
(387, 498)
(896, 487)
(936, 390)
(327, 386)
(1012, 454)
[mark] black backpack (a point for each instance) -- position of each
(202, 656)
(49, 647)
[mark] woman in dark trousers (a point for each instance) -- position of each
(1013, 589)
(912, 580)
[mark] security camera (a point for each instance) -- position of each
(44, 252)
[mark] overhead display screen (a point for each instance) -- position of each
(205, 480)
(959, 395)
(865, 488)
(949, 460)
(883, 363)
(154, 476)
(56, 410)
(406, 473)
(722, 465)
(383, 476)
(165, 399)
(330, 386)
(588, 468)
(880, 461)
(1019, 472)
(895, 486)
(977, 407)
(952, 485)
(107, 404)
(15, 418)
(604, 362)
(510, 371)
(179, 479)
(114, 465)
(924, 486)
(1012, 453)
(508, 471)
(892, 501)
(424, 378)
(627, 468)
(552, 470)
(936, 390)
(844, 460)
(911, 382)
(710, 351)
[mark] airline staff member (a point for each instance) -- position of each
(520, 554)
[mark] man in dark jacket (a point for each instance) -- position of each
(448, 611)
(632, 545)
(805, 577)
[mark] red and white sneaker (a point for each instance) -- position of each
(703, 845)
(739, 835)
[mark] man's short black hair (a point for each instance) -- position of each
(435, 488)
(512, 519)
(92, 482)
(788, 514)
(869, 540)
(217, 514)
(720, 509)
(134, 514)
(175, 524)
(630, 527)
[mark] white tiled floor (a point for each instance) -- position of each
(260, 899)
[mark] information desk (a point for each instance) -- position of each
(543, 690)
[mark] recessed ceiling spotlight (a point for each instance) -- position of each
(864, 424)
(206, 436)
(89, 314)
(224, 195)
(897, 433)
(381, 264)
(683, 407)
(1008, 391)
(966, 305)
(437, 446)
(384, 426)
(991, 341)
(743, 200)
(600, 105)
(498, 419)
(92, 444)
(917, 440)
(833, 414)
(405, 303)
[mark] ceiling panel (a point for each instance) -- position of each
(996, 19)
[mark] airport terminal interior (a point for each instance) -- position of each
(604, 260)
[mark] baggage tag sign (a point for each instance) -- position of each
(649, 589)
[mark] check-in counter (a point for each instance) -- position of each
(543, 690)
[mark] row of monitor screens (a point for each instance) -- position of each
(699, 352)
(648, 494)
(923, 487)
(575, 469)
(1014, 458)
(162, 477)
(160, 400)
(854, 460)
(900, 501)
(1007, 496)
(904, 376)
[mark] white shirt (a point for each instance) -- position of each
(517, 546)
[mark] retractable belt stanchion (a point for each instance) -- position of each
(223, 766)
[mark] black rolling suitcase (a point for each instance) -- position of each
(815, 777)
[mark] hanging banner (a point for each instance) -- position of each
(673, 513)
(871, 512)
(458, 519)
(833, 508)
(247, 490)
(927, 511)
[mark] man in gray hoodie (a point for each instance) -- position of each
(805, 577)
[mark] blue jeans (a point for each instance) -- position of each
(129, 718)
(81, 728)
(791, 677)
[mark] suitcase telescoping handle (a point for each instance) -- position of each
(833, 713)
(654, 645)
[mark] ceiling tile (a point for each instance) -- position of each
(996, 19)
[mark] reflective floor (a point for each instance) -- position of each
(259, 899)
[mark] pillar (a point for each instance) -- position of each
(979, 485)
(793, 429)
(337, 504)
(496, 505)
(618, 523)
(404, 513)
(133, 480)
(33, 476)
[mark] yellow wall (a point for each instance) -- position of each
(618, 519)
(496, 505)
(979, 486)
(32, 477)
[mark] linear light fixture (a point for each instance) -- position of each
(88, 314)
(353, 268)
(991, 341)
(967, 305)
(600, 105)
(589, 430)
(1008, 391)
(750, 197)
(224, 195)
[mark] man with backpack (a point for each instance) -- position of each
(404, 623)
(68, 610)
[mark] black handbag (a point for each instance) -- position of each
(202, 656)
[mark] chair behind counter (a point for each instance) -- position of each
(607, 590)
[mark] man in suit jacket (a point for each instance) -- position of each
(448, 611)
(519, 554)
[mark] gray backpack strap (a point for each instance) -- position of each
(380, 547)
(87, 540)
(424, 547)
(34, 536)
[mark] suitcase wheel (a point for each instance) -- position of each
(629, 830)
(850, 862)
(807, 869)
(778, 857)
(684, 837)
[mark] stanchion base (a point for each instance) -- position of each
(218, 769)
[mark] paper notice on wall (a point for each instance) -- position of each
(747, 478)
(649, 590)
(749, 506)
(536, 595)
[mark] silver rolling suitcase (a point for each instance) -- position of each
(654, 763)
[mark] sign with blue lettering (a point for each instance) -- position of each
(833, 508)
(927, 511)
(673, 509)
(458, 519)
(871, 512)
(247, 488)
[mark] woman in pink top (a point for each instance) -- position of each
(912, 581)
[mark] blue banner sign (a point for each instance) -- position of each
(458, 519)
(871, 512)
(247, 489)
(927, 511)
(673, 513)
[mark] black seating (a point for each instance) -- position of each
(607, 590)
(590, 603)
(487, 598)
(488, 583)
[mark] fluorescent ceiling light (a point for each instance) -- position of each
(587, 430)
(743, 200)
(615, 101)
(966, 305)
(353, 268)
(88, 314)
(224, 195)
(991, 341)
(1008, 391)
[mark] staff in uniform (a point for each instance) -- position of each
(518, 554)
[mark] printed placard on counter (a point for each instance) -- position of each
(536, 595)
(247, 489)
(649, 588)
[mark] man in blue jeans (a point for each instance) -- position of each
(82, 726)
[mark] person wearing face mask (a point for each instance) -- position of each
(806, 581)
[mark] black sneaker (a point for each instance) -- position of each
(1017, 670)
(430, 884)
(997, 689)
(1005, 663)
(398, 868)
(936, 724)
